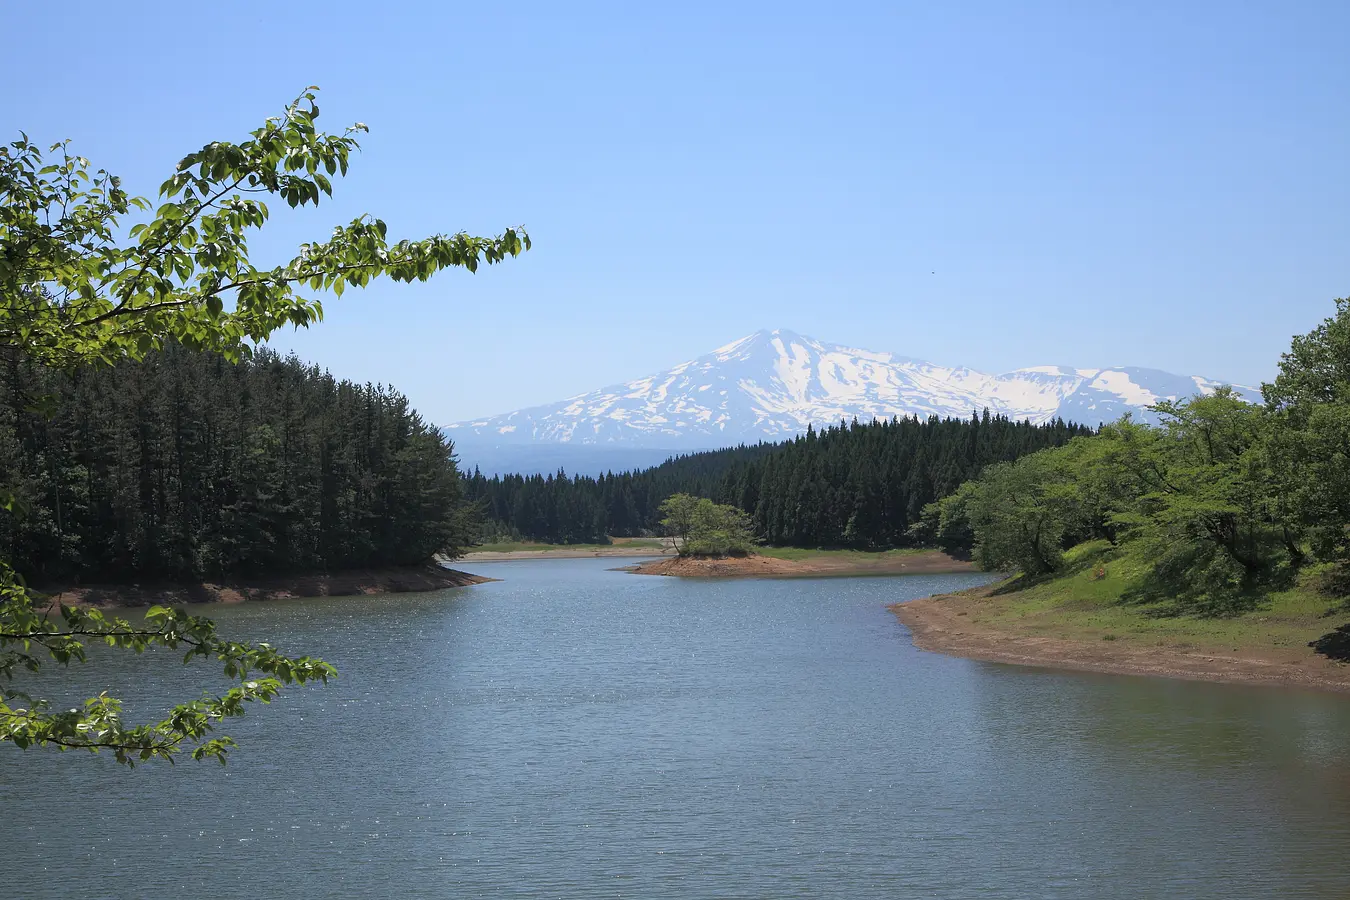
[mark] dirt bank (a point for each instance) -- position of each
(353, 582)
(617, 552)
(958, 624)
(759, 566)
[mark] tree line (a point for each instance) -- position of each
(186, 466)
(582, 509)
(1222, 503)
(850, 485)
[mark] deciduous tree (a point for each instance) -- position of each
(80, 287)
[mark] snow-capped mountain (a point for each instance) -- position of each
(772, 384)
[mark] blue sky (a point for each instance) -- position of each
(988, 184)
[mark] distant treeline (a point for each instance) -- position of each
(187, 466)
(850, 485)
(581, 509)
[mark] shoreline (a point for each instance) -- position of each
(344, 583)
(947, 624)
(928, 562)
(618, 552)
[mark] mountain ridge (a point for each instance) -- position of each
(772, 384)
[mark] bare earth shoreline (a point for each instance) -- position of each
(942, 624)
(347, 583)
(945, 623)
(617, 551)
(754, 566)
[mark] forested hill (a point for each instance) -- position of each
(851, 485)
(187, 466)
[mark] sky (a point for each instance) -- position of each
(985, 184)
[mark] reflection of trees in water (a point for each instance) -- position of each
(1261, 776)
(1172, 722)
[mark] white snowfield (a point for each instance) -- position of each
(772, 384)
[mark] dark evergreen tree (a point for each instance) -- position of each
(187, 466)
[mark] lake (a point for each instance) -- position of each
(578, 732)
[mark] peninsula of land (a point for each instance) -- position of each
(632, 548)
(1037, 628)
(792, 563)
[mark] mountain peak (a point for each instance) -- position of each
(761, 340)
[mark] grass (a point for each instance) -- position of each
(644, 543)
(1088, 602)
(517, 546)
(799, 554)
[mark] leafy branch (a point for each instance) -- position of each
(26, 627)
(78, 287)
(70, 292)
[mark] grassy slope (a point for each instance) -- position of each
(1084, 605)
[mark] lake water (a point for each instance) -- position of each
(578, 732)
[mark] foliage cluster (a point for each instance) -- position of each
(1226, 500)
(77, 286)
(80, 286)
(30, 631)
(704, 528)
(185, 466)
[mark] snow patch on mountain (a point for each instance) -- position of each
(772, 384)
